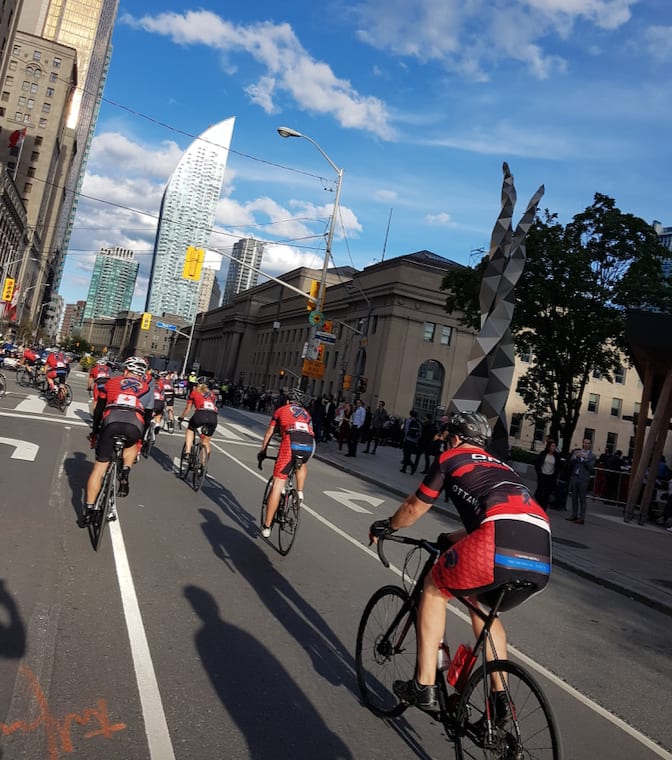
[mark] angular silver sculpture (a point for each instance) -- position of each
(491, 362)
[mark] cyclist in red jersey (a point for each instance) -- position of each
(98, 375)
(119, 411)
(506, 536)
(56, 368)
(30, 360)
(204, 403)
(297, 445)
(169, 397)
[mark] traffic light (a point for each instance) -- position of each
(320, 352)
(346, 382)
(193, 263)
(8, 289)
(361, 384)
(328, 326)
(146, 321)
(282, 373)
(314, 292)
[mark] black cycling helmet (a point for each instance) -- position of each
(296, 396)
(472, 427)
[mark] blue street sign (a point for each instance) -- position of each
(167, 327)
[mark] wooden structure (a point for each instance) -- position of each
(649, 336)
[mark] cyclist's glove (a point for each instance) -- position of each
(261, 455)
(444, 542)
(381, 528)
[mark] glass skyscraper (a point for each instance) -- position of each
(185, 219)
(112, 283)
(247, 251)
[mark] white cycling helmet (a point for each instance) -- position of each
(136, 365)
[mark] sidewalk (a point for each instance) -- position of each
(631, 559)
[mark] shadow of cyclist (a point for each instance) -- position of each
(249, 680)
(12, 632)
(77, 468)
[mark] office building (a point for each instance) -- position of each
(112, 283)
(186, 218)
(72, 318)
(247, 252)
(209, 294)
(85, 26)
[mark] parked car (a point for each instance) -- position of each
(10, 360)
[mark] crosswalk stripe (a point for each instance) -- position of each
(244, 430)
(78, 406)
(32, 404)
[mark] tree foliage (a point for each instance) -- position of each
(571, 303)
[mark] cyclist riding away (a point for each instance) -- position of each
(119, 411)
(506, 536)
(159, 403)
(297, 446)
(31, 361)
(56, 368)
(169, 396)
(98, 375)
(204, 402)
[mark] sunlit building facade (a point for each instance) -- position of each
(247, 253)
(112, 283)
(186, 218)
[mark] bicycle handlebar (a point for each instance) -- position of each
(429, 546)
(261, 457)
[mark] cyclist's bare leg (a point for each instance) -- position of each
(206, 443)
(188, 440)
(431, 629)
(130, 455)
(95, 481)
(300, 474)
(274, 499)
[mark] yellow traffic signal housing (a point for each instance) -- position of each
(8, 289)
(146, 321)
(314, 291)
(193, 263)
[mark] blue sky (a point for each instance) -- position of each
(419, 103)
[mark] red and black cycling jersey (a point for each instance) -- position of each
(100, 372)
(206, 400)
(479, 485)
(292, 417)
(125, 399)
(30, 356)
(56, 362)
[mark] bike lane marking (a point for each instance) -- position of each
(529, 662)
(22, 449)
(156, 726)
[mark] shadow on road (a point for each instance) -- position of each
(77, 469)
(13, 631)
(260, 695)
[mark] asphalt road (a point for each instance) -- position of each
(188, 636)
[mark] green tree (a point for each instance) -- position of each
(571, 303)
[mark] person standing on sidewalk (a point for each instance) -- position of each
(547, 466)
(356, 425)
(412, 431)
(582, 467)
(378, 420)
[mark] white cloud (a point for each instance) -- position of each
(443, 219)
(472, 37)
(385, 195)
(289, 68)
(659, 42)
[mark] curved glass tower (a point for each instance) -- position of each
(186, 218)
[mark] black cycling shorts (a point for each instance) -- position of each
(105, 444)
(204, 418)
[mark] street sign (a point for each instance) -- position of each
(313, 369)
(325, 337)
(167, 327)
(316, 318)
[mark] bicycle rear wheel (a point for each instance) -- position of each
(529, 732)
(386, 649)
(68, 394)
(200, 467)
(184, 463)
(289, 515)
(147, 441)
(104, 503)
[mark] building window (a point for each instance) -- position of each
(516, 425)
(612, 441)
(25, 86)
(33, 88)
(619, 376)
(16, 50)
(594, 402)
(2, 111)
(53, 77)
(26, 118)
(539, 430)
(30, 103)
(9, 81)
(50, 92)
(12, 65)
(31, 171)
(38, 141)
(5, 96)
(589, 433)
(37, 55)
(46, 107)
(11, 166)
(429, 331)
(56, 63)
(446, 335)
(616, 406)
(43, 123)
(22, 100)
(18, 116)
(27, 188)
(35, 155)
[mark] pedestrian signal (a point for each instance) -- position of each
(193, 263)
(313, 293)
(146, 321)
(8, 289)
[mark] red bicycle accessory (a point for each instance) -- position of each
(462, 658)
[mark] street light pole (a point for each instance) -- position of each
(288, 132)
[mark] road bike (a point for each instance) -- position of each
(288, 513)
(168, 420)
(105, 507)
(28, 377)
(196, 461)
(3, 385)
(148, 439)
(478, 726)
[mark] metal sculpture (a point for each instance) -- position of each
(491, 362)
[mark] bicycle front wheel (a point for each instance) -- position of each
(23, 377)
(67, 390)
(200, 467)
(184, 463)
(386, 649)
(264, 501)
(529, 730)
(289, 516)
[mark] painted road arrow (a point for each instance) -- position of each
(22, 449)
(348, 499)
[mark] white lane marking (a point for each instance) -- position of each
(32, 405)
(348, 499)
(586, 701)
(46, 418)
(22, 449)
(244, 430)
(156, 726)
